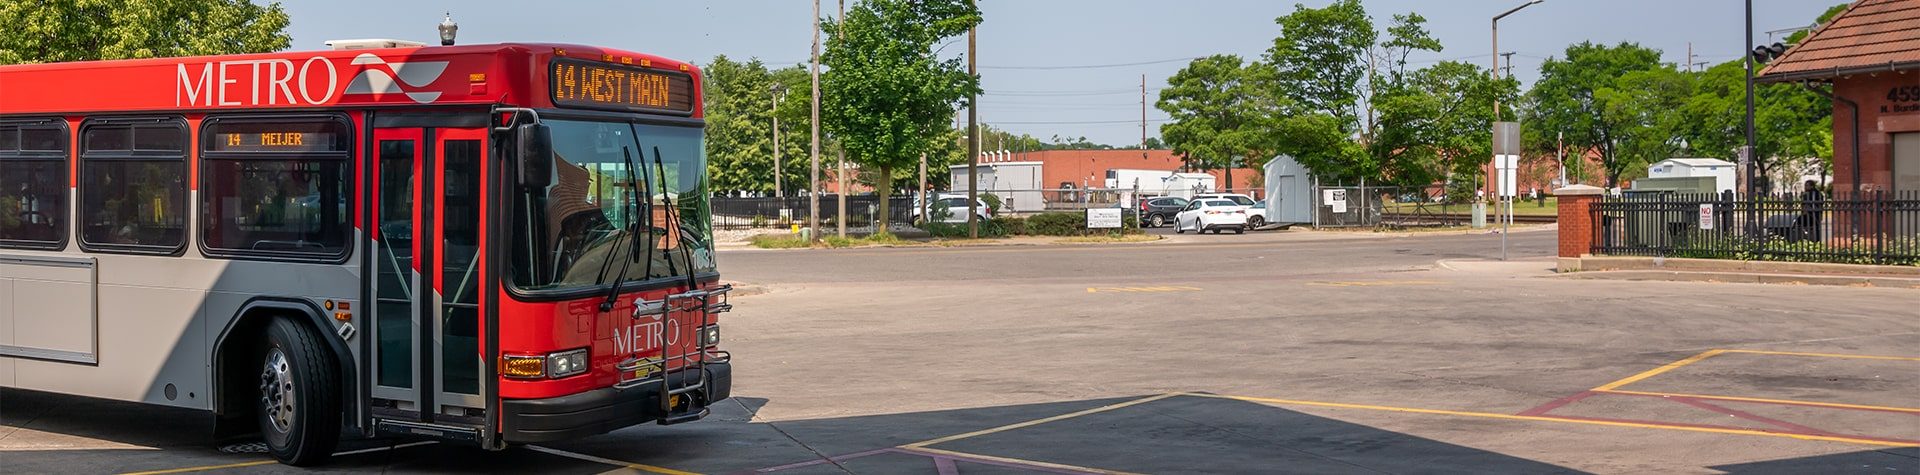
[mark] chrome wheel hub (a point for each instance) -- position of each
(276, 391)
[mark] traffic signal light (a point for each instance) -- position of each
(1766, 53)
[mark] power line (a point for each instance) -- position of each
(1072, 122)
(1089, 92)
(1093, 66)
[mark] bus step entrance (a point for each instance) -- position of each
(692, 386)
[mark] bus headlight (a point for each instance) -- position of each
(709, 336)
(567, 363)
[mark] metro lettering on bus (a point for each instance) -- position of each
(494, 244)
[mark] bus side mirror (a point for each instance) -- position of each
(535, 150)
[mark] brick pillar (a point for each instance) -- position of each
(1576, 223)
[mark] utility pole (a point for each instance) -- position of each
(1143, 116)
(1689, 56)
(778, 90)
(922, 191)
(1752, 164)
(813, 193)
(1509, 56)
(973, 141)
(841, 151)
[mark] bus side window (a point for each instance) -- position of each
(133, 189)
(33, 181)
(276, 188)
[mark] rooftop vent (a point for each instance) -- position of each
(372, 43)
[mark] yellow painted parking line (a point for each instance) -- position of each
(1011, 460)
(204, 468)
(1174, 288)
(1656, 371)
(1036, 422)
(1491, 415)
(607, 461)
(1826, 355)
(1374, 283)
(1835, 405)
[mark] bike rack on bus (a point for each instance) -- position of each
(705, 303)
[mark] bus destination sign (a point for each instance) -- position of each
(273, 141)
(589, 85)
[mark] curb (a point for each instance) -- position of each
(1747, 278)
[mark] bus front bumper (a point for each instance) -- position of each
(599, 411)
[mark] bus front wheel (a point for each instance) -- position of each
(298, 405)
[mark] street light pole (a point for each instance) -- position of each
(1496, 49)
(1752, 165)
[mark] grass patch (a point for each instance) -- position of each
(1110, 238)
(794, 241)
(778, 241)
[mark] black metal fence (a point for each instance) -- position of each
(1869, 228)
(782, 212)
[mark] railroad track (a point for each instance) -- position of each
(1463, 217)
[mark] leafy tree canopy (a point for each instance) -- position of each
(45, 31)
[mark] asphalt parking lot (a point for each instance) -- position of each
(1270, 352)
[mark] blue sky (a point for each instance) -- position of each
(1101, 103)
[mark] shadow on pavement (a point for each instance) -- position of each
(1887, 461)
(1184, 434)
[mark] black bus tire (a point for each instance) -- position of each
(297, 404)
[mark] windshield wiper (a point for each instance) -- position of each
(613, 292)
(673, 220)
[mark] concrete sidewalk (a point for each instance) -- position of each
(1733, 272)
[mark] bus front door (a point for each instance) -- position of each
(428, 218)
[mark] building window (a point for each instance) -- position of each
(133, 190)
(276, 187)
(33, 184)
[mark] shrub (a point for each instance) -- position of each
(992, 228)
(758, 222)
(1057, 224)
(993, 202)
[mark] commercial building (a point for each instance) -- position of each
(1868, 59)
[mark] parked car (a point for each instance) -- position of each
(1257, 215)
(1214, 215)
(1159, 210)
(1236, 198)
(955, 206)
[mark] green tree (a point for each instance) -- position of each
(739, 114)
(1222, 117)
(1569, 98)
(1433, 124)
(1644, 110)
(44, 31)
(1313, 70)
(887, 96)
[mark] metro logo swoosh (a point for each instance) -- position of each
(381, 77)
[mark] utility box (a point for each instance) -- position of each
(1721, 171)
(1656, 226)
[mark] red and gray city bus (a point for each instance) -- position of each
(500, 244)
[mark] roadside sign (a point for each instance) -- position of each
(1706, 216)
(1335, 198)
(1103, 218)
(1509, 169)
(1506, 138)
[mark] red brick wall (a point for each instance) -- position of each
(1879, 119)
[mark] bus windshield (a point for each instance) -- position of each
(573, 234)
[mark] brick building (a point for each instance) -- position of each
(1082, 169)
(1868, 57)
